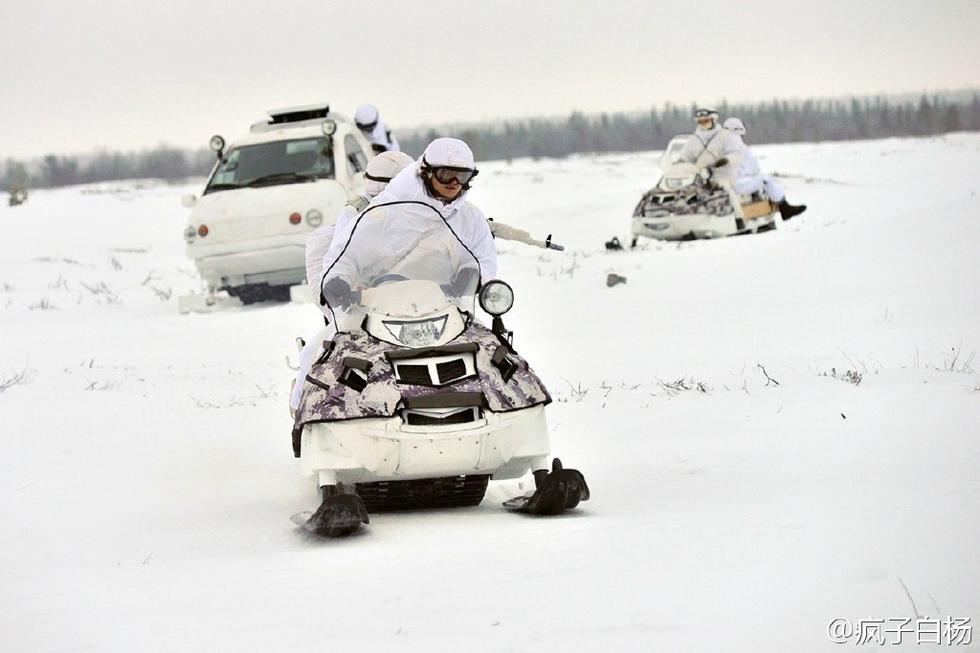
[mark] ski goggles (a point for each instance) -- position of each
(447, 175)
(366, 127)
(704, 113)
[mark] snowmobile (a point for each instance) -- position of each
(687, 204)
(414, 403)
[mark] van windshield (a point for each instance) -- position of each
(270, 164)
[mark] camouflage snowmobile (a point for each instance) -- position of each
(686, 204)
(414, 403)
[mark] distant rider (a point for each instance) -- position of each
(748, 177)
(712, 147)
(368, 120)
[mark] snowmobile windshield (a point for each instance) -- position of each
(402, 259)
(672, 153)
(275, 163)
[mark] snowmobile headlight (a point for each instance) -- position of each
(496, 297)
(417, 333)
(314, 218)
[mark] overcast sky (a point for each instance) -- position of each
(79, 75)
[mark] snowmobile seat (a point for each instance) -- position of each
(758, 209)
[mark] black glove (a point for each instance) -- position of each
(723, 161)
(464, 281)
(338, 294)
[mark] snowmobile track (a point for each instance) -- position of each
(445, 492)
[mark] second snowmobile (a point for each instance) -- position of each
(686, 204)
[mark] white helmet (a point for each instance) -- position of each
(450, 153)
(366, 117)
(383, 168)
(734, 125)
(705, 113)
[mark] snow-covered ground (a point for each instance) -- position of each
(147, 480)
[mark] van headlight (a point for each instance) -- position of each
(314, 218)
(190, 234)
(496, 297)
(417, 333)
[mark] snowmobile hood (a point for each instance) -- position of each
(407, 299)
(328, 399)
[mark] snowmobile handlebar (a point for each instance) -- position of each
(507, 232)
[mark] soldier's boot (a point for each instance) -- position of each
(787, 210)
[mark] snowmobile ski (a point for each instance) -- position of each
(337, 516)
(560, 490)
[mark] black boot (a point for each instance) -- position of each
(556, 491)
(339, 515)
(613, 244)
(787, 210)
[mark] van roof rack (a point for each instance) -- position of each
(298, 114)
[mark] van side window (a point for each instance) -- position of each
(356, 159)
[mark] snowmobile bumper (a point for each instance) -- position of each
(683, 227)
(505, 445)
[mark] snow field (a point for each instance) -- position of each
(147, 479)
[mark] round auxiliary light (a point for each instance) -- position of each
(202, 231)
(216, 143)
(314, 218)
(295, 218)
(496, 297)
(190, 234)
(328, 127)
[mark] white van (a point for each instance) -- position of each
(268, 190)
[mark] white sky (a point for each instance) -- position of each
(77, 76)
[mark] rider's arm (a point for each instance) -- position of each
(479, 240)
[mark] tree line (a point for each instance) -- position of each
(778, 121)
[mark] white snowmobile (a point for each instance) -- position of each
(414, 403)
(686, 204)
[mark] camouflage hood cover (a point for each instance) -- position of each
(689, 200)
(325, 398)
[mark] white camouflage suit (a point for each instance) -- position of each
(748, 177)
(705, 147)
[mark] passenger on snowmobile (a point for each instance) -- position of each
(369, 122)
(380, 170)
(748, 177)
(710, 146)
